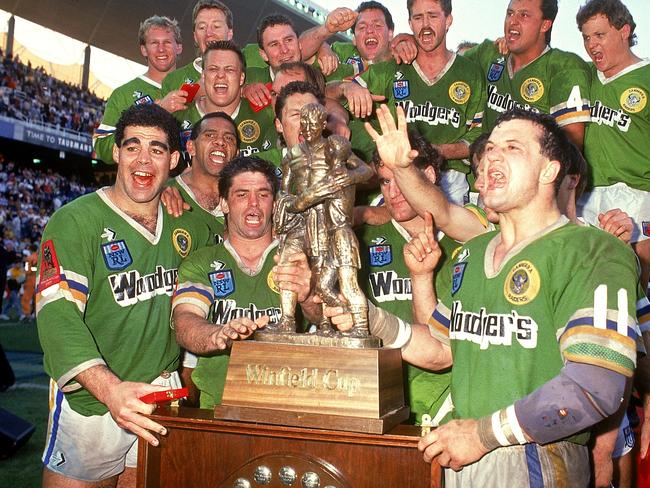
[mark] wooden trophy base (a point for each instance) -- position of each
(357, 390)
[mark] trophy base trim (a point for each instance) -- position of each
(334, 339)
(379, 425)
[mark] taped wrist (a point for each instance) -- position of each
(394, 332)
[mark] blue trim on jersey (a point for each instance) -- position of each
(440, 318)
(195, 289)
(99, 131)
(55, 426)
(535, 476)
(75, 284)
(566, 110)
(610, 324)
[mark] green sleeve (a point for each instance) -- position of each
(569, 91)
(65, 270)
(104, 136)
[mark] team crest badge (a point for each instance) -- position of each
(522, 283)
(249, 130)
(645, 226)
(457, 277)
(182, 241)
(459, 92)
(495, 71)
(116, 255)
(401, 89)
(634, 100)
(146, 100)
(272, 284)
(223, 283)
(532, 90)
(380, 255)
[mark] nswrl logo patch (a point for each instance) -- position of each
(116, 255)
(380, 255)
(401, 89)
(223, 283)
(457, 277)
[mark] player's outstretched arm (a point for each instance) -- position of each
(338, 20)
(199, 336)
(418, 346)
(123, 401)
(396, 153)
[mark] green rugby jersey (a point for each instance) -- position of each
(555, 83)
(212, 279)
(213, 219)
(104, 293)
(617, 141)
(512, 329)
(256, 130)
(445, 110)
(139, 91)
(386, 282)
(190, 73)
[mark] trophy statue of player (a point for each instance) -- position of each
(282, 369)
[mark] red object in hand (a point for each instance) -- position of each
(191, 89)
(257, 108)
(165, 396)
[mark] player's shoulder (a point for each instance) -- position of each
(482, 52)
(561, 60)
(468, 66)
(81, 213)
(590, 242)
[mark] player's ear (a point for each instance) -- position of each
(430, 173)
(175, 157)
(191, 147)
(278, 125)
(223, 204)
(550, 172)
(116, 153)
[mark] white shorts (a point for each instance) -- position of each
(90, 448)
(552, 465)
(454, 184)
(636, 203)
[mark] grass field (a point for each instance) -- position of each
(27, 399)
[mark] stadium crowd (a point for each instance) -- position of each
(28, 93)
(501, 260)
(28, 197)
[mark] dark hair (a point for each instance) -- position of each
(312, 75)
(427, 156)
(293, 88)
(270, 21)
(444, 4)
(163, 23)
(205, 4)
(577, 165)
(549, 12)
(477, 148)
(246, 164)
(617, 14)
(372, 5)
(224, 46)
(150, 115)
(196, 128)
(553, 142)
